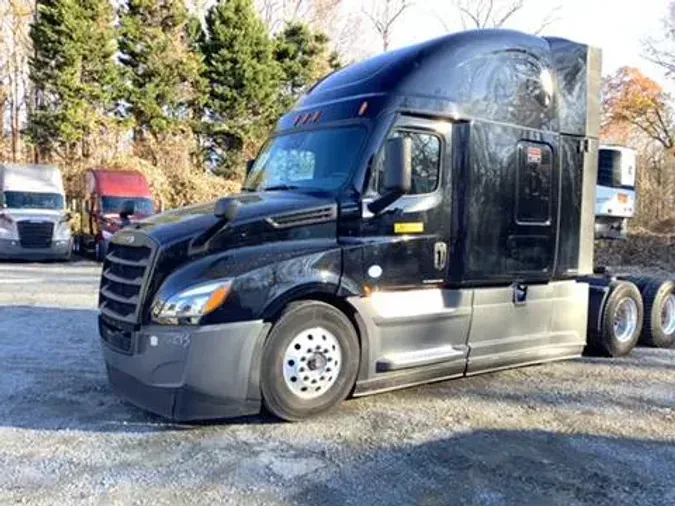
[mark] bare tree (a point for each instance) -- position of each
(661, 50)
(383, 14)
(477, 14)
(15, 20)
(319, 14)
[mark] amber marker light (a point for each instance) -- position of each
(217, 299)
(363, 109)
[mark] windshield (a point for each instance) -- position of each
(319, 159)
(113, 205)
(33, 200)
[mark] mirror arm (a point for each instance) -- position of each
(377, 206)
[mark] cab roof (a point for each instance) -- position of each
(118, 183)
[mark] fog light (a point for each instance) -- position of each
(154, 341)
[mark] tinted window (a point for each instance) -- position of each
(33, 200)
(113, 205)
(533, 187)
(426, 162)
(609, 167)
(318, 159)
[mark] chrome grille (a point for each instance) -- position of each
(35, 234)
(126, 270)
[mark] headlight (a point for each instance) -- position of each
(7, 228)
(190, 305)
(62, 231)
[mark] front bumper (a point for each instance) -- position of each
(189, 373)
(12, 250)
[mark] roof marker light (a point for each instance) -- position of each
(363, 109)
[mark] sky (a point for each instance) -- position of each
(617, 27)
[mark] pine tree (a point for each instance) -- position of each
(243, 82)
(304, 57)
(75, 74)
(163, 85)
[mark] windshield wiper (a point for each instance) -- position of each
(280, 187)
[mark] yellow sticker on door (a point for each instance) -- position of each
(416, 227)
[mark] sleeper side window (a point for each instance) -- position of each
(426, 162)
(533, 184)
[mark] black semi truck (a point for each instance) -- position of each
(423, 215)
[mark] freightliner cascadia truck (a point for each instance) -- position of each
(423, 215)
(34, 222)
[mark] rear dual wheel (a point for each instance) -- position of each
(309, 362)
(659, 315)
(621, 321)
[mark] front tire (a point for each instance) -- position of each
(309, 362)
(100, 250)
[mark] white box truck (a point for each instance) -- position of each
(34, 222)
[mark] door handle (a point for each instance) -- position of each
(519, 294)
(440, 255)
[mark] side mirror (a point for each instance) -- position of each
(226, 209)
(397, 172)
(249, 166)
(128, 209)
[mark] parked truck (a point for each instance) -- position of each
(34, 223)
(615, 195)
(111, 198)
(423, 215)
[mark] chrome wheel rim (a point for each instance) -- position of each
(625, 320)
(312, 363)
(668, 315)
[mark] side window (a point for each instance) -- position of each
(426, 162)
(533, 184)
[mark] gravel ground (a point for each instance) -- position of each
(587, 431)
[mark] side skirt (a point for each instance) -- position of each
(442, 372)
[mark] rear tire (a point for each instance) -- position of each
(309, 362)
(621, 324)
(658, 330)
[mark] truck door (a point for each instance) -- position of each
(417, 329)
(406, 245)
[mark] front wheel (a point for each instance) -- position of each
(310, 361)
(100, 250)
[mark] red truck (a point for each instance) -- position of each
(111, 198)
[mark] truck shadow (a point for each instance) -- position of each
(53, 378)
(499, 467)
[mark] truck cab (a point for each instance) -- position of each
(423, 215)
(112, 199)
(34, 222)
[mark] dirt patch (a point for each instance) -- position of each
(647, 249)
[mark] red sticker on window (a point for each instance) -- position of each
(533, 155)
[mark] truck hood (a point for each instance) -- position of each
(53, 215)
(257, 215)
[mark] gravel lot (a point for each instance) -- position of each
(589, 431)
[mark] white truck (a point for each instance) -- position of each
(615, 193)
(34, 222)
